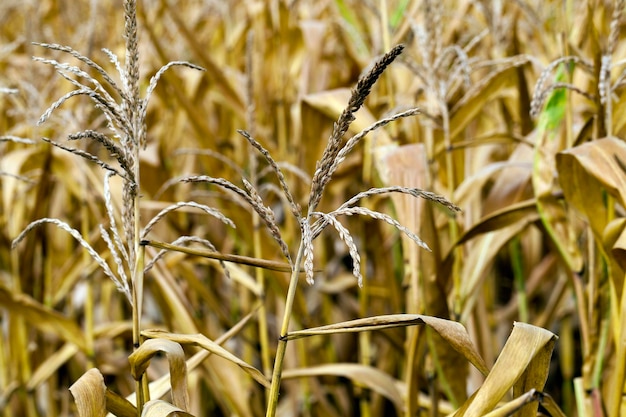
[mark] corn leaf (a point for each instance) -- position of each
(89, 394)
(206, 343)
(522, 363)
(41, 317)
(140, 359)
(453, 332)
(160, 408)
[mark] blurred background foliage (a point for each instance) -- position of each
(526, 143)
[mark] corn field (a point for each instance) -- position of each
(312, 208)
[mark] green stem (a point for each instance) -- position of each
(282, 341)
(579, 389)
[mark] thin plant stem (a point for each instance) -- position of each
(569, 135)
(581, 307)
(20, 339)
(412, 388)
(132, 199)
(262, 315)
(282, 341)
(384, 21)
(454, 227)
(619, 376)
(566, 361)
(89, 296)
(417, 290)
(596, 380)
(303, 355)
(256, 220)
(580, 393)
(142, 384)
(518, 277)
(365, 352)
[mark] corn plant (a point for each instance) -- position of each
(239, 224)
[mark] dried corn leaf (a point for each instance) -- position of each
(175, 300)
(220, 81)
(119, 406)
(513, 173)
(160, 408)
(239, 259)
(352, 24)
(550, 141)
(593, 169)
(512, 184)
(363, 375)
(516, 404)
(536, 374)
(160, 387)
(619, 115)
(614, 243)
(16, 164)
(523, 362)
(524, 212)
(453, 332)
(332, 103)
(587, 170)
(41, 317)
(548, 403)
(553, 215)
(206, 343)
(480, 259)
(227, 384)
(490, 88)
(140, 359)
(407, 166)
(89, 394)
(51, 365)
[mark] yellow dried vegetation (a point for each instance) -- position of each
(312, 208)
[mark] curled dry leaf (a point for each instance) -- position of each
(140, 359)
(593, 169)
(590, 168)
(206, 343)
(89, 394)
(159, 408)
(119, 406)
(522, 365)
(160, 387)
(614, 241)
